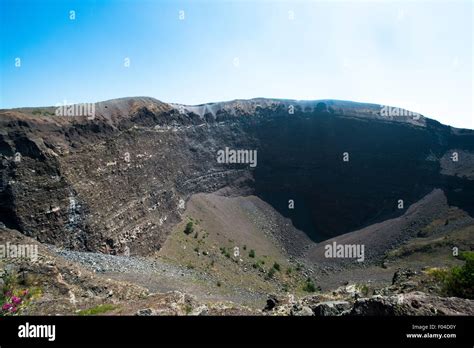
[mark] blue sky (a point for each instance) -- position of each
(412, 54)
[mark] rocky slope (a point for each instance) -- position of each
(62, 282)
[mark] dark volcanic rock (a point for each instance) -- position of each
(331, 308)
(402, 275)
(272, 302)
(414, 303)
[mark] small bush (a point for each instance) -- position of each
(460, 280)
(457, 281)
(309, 286)
(276, 266)
(467, 255)
(189, 228)
(258, 266)
(188, 309)
(438, 274)
(225, 252)
(271, 273)
(252, 253)
(364, 289)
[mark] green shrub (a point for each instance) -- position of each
(438, 274)
(225, 252)
(459, 281)
(252, 253)
(467, 255)
(258, 266)
(276, 266)
(188, 309)
(189, 228)
(309, 286)
(364, 289)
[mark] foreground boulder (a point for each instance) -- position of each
(414, 303)
(331, 308)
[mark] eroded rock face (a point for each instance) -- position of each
(62, 287)
(117, 183)
(459, 163)
(414, 303)
(106, 191)
(402, 297)
(331, 308)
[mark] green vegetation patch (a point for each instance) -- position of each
(102, 308)
(189, 228)
(459, 280)
(309, 286)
